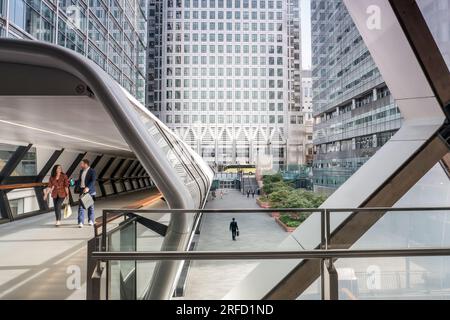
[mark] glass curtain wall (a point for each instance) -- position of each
(111, 33)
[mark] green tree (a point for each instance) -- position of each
(287, 197)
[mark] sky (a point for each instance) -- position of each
(306, 33)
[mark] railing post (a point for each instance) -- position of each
(327, 229)
(93, 273)
(104, 230)
(330, 281)
(322, 247)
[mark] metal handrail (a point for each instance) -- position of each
(269, 255)
(305, 210)
(323, 253)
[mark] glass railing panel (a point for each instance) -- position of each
(314, 291)
(23, 201)
(418, 228)
(147, 240)
(394, 278)
(122, 274)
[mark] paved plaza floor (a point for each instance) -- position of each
(258, 231)
(37, 259)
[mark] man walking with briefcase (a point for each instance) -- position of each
(85, 187)
(234, 229)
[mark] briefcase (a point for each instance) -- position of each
(86, 200)
(237, 233)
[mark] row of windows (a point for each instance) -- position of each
(271, 95)
(221, 106)
(220, 26)
(222, 119)
(263, 72)
(228, 15)
(262, 4)
(359, 102)
(205, 60)
(263, 49)
(221, 37)
(359, 143)
(211, 83)
(374, 120)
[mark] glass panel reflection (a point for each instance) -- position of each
(437, 16)
(22, 201)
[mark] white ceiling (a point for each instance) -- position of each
(76, 123)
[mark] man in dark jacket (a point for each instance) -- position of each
(86, 184)
(234, 229)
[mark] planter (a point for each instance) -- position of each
(285, 227)
(262, 204)
(275, 214)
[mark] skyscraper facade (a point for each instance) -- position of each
(354, 112)
(111, 33)
(307, 115)
(224, 77)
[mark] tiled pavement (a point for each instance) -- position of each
(258, 231)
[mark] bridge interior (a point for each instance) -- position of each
(40, 261)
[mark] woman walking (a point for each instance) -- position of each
(58, 187)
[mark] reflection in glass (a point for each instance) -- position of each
(26, 167)
(437, 16)
(6, 152)
(177, 156)
(22, 201)
(406, 278)
(122, 280)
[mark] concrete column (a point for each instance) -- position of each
(234, 148)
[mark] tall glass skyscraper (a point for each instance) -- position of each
(226, 76)
(354, 112)
(110, 32)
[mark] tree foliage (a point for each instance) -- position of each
(282, 194)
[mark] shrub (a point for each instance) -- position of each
(293, 220)
(272, 178)
(271, 187)
(278, 198)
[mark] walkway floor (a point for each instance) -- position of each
(38, 260)
(258, 231)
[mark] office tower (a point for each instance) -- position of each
(227, 77)
(111, 33)
(307, 114)
(354, 112)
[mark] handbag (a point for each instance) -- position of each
(67, 210)
(237, 233)
(86, 200)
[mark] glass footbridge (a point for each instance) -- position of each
(54, 97)
(50, 96)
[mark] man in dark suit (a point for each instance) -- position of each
(86, 184)
(234, 229)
